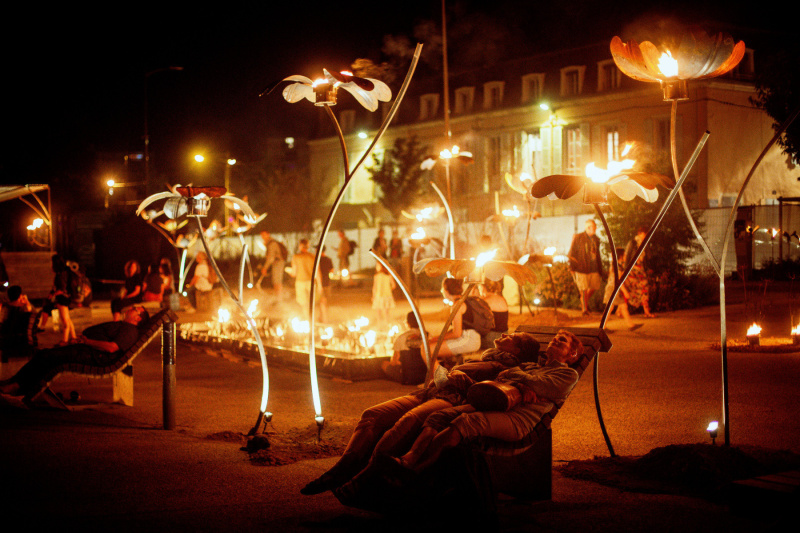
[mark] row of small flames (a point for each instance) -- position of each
(754, 334)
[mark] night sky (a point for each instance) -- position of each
(74, 77)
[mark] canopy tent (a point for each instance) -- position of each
(42, 209)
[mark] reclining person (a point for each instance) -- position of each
(100, 345)
(390, 428)
(539, 384)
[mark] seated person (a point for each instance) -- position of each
(100, 345)
(540, 385)
(153, 284)
(409, 371)
(461, 339)
(492, 293)
(389, 428)
(18, 300)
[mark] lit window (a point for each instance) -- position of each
(573, 150)
(612, 151)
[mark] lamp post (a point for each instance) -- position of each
(146, 131)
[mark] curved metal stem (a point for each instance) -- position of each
(312, 363)
(440, 340)
(674, 157)
(629, 266)
(253, 327)
(450, 225)
(721, 272)
(424, 332)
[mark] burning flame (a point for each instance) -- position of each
(550, 250)
(425, 214)
(755, 329)
(223, 315)
(300, 326)
(367, 340)
(345, 272)
(327, 333)
(525, 177)
(775, 232)
(395, 330)
(513, 212)
(448, 154)
(252, 308)
(796, 330)
(599, 175)
(279, 331)
(418, 235)
(668, 65)
(485, 257)
(358, 323)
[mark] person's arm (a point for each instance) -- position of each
(103, 346)
(552, 383)
(457, 326)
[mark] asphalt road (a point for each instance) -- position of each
(113, 466)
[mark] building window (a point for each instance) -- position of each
(572, 80)
(428, 106)
(493, 94)
(745, 70)
(347, 120)
(573, 149)
(464, 99)
(608, 75)
(612, 151)
(532, 87)
(493, 161)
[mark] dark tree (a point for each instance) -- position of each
(778, 93)
(398, 174)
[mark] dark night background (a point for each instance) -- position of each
(74, 76)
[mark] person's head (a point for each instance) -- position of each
(591, 227)
(132, 268)
(164, 269)
(265, 236)
(491, 287)
(411, 320)
(452, 287)
(136, 315)
(153, 268)
(523, 345)
(379, 268)
(14, 292)
(380, 232)
(341, 234)
(564, 348)
(201, 258)
(303, 245)
(59, 265)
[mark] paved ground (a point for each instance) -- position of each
(113, 466)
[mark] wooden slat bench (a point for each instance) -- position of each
(120, 371)
(524, 468)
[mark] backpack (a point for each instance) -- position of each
(284, 251)
(482, 317)
(78, 287)
(353, 246)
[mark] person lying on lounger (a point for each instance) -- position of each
(100, 345)
(538, 386)
(389, 428)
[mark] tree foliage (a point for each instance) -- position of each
(398, 174)
(778, 93)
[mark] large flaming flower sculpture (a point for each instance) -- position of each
(618, 178)
(195, 202)
(323, 93)
(367, 91)
(695, 56)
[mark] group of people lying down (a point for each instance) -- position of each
(405, 436)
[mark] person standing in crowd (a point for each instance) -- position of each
(585, 264)
(201, 279)
(325, 269)
(153, 284)
(132, 292)
(380, 246)
(274, 263)
(60, 299)
(382, 299)
(343, 251)
(302, 267)
(395, 246)
(636, 282)
(492, 293)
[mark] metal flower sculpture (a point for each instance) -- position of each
(323, 93)
(195, 202)
(694, 56)
(618, 178)
(455, 154)
(367, 91)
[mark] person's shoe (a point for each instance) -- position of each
(635, 327)
(324, 482)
